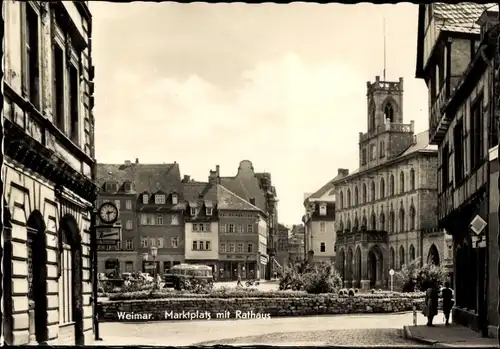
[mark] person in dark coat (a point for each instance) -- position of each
(431, 302)
(447, 295)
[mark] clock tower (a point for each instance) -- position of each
(387, 134)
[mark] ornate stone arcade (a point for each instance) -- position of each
(362, 257)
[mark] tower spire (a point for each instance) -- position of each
(384, 49)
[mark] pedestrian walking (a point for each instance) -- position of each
(239, 284)
(447, 296)
(431, 302)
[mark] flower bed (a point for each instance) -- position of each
(248, 293)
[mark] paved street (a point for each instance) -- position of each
(376, 329)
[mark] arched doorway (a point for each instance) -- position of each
(433, 256)
(392, 258)
(375, 267)
(70, 281)
(357, 263)
(6, 318)
(342, 264)
(37, 274)
(401, 257)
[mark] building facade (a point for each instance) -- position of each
(296, 245)
(201, 225)
(150, 198)
(319, 224)
(256, 188)
(47, 173)
(281, 246)
(385, 210)
(242, 237)
(458, 65)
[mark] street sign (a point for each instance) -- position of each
(108, 234)
(391, 272)
(477, 225)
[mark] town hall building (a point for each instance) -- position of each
(385, 210)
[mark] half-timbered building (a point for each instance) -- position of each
(456, 58)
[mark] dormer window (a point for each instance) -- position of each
(175, 199)
(193, 211)
(110, 187)
(127, 186)
(322, 210)
(160, 199)
(209, 211)
(145, 199)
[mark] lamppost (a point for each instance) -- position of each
(154, 254)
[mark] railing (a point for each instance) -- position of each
(390, 126)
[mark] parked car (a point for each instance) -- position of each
(180, 275)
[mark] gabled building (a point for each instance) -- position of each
(257, 189)
(201, 224)
(242, 237)
(150, 200)
(47, 173)
(457, 59)
(319, 225)
(385, 210)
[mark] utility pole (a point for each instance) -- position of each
(95, 278)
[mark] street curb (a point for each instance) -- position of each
(408, 335)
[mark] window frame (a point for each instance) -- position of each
(160, 199)
(322, 247)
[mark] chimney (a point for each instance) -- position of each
(214, 177)
(252, 201)
(127, 162)
(412, 125)
(186, 179)
(136, 160)
(343, 172)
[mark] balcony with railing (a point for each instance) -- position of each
(389, 126)
(439, 121)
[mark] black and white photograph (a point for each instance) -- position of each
(250, 174)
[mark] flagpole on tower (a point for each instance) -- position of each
(385, 57)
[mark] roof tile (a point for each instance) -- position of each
(460, 17)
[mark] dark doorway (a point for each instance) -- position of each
(342, 264)
(433, 256)
(357, 263)
(372, 268)
(37, 273)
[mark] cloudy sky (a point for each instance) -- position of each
(283, 86)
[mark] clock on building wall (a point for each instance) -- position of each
(108, 213)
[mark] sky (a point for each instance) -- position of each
(283, 86)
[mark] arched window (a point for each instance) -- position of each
(356, 196)
(412, 218)
(341, 200)
(382, 149)
(412, 179)
(391, 185)
(412, 253)
(348, 197)
(363, 221)
(402, 220)
(389, 112)
(364, 193)
(402, 182)
(341, 225)
(372, 114)
(374, 222)
(373, 196)
(382, 188)
(401, 256)
(382, 221)
(392, 220)
(348, 225)
(356, 223)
